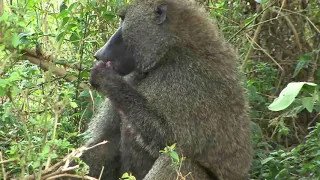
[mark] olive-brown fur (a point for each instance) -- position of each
(185, 90)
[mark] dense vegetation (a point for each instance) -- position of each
(46, 52)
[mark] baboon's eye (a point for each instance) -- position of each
(121, 13)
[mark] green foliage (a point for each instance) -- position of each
(42, 114)
(288, 95)
(128, 176)
(170, 151)
(302, 162)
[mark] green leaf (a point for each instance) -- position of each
(4, 82)
(4, 17)
(64, 21)
(15, 40)
(174, 156)
(299, 66)
(60, 36)
(287, 96)
(266, 160)
(308, 103)
(2, 92)
(73, 5)
(173, 146)
(75, 37)
(125, 176)
(46, 149)
(73, 104)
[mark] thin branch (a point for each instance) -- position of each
(255, 38)
(280, 67)
(2, 167)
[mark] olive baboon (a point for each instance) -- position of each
(180, 86)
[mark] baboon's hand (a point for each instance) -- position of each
(100, 73)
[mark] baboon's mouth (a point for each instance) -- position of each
(108, 63)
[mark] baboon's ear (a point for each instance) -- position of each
(162, 13)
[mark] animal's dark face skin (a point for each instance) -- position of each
(117, 54)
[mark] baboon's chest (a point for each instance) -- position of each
(129, 133)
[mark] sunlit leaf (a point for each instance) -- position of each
(73, 104)
(287, 96)
(308, 103)
(15, 40)
(174, 156)
(266, 160)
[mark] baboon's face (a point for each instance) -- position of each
(140, 41)
(116, 54)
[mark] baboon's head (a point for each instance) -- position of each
(148, 30)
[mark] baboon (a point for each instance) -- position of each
(169, 77)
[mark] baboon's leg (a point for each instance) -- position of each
(228, 165)
(107, 156)
(104, 126)
(163, 170)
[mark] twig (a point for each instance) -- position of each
(280, 67)
(244, 27)
(282, 5)
(46, 64)
(55, 171)
(2, 167)
(314, 68)
(7, 161)
(101, 172)
(313, 120)
(71, 175)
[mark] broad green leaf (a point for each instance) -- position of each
(63, 14)
(125, 175)
(308, 103)
(4, 82)
(73, 104)
(174, 156)
(73, 5)
(46, 149)
(2, 92)
(4, 17)
(287, 96)
(60, 36)
(64, 21)
(15, 40)
(74, 37)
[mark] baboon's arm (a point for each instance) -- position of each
(132, 104)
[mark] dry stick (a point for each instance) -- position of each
(71, 175)
(2, 167)
(244, 27)
(7, 161)
(280, 67)
(101, 172)
(76, 153)
(56, 119)
(5, 61)
(314, 67)
(60, 171)
(313, 120)
(282, 5)
(255, 38)
(57, 71)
